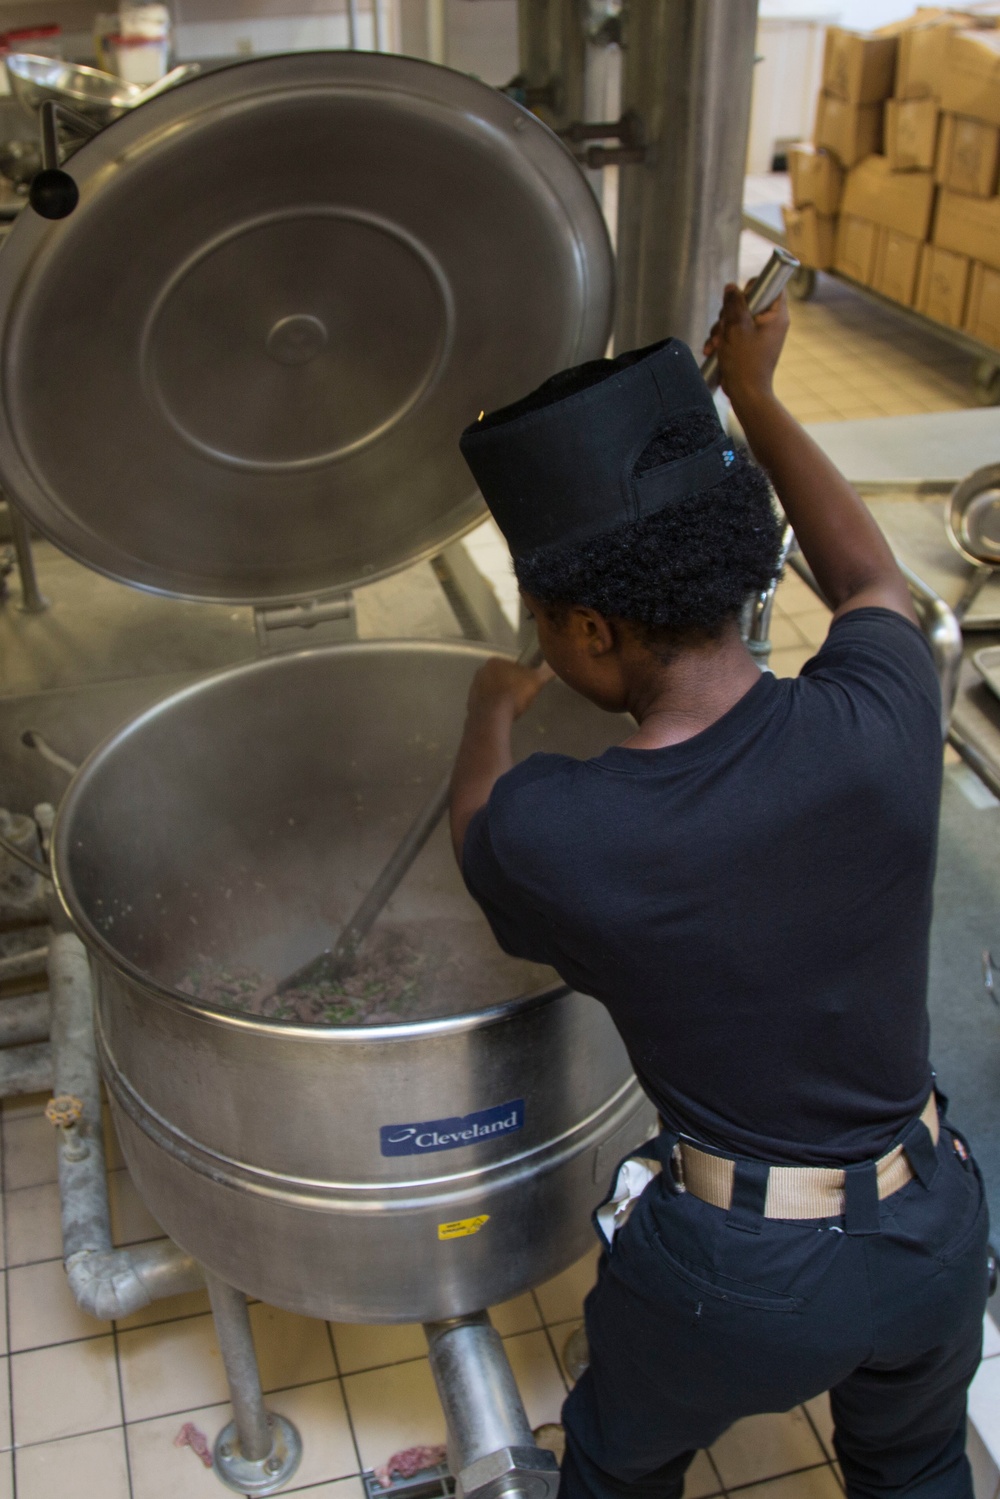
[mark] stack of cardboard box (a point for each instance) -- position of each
(900, 189)
(965, 254)
(858, 74)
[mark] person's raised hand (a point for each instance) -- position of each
(500, 683)
(748, 347)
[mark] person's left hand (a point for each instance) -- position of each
(503, 683)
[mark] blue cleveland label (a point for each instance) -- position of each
(451, 1134)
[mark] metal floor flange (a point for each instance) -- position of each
(429, 1483)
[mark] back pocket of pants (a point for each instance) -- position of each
(722, 1287)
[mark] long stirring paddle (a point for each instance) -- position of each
(332, 965)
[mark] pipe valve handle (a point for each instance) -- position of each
(63, 1110)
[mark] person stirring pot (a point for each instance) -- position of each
(745, 883)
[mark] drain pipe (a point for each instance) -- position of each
(106, 1282)
(491, 1450)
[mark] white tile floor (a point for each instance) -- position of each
(92, 1410)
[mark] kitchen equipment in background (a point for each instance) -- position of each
(987, 663)
(141, 50)
(973, 525)
(43, 41)
(100, 96)
(20, 161)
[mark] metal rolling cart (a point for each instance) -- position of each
(765, 219)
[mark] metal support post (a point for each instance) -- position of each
(32, 601)
(688, 74)
(257, 1452)
(471, 597)
(553, 50)
(491, 1449)
(437, 31)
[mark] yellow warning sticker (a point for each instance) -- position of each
(463, 1227)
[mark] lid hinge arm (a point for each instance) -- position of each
(338, 613)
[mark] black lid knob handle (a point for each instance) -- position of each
(53, 194)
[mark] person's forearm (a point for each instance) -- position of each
(841, 541)
(484, 755)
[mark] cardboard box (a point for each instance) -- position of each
(969, 226)
(854, 252)
(932, 15)
(943, 285)
(817, 178)
(982, 318)
(968, 156)
(856, 68)
(810, 236)
(896, 200)
(911, 131)
(850, 131)
(897, 264)
(972, 75)
(921, 52)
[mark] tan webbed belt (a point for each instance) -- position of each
(793, 1191)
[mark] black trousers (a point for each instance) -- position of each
(700, 1317)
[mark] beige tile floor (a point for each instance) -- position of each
(92, 1410)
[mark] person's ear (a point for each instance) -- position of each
(593, 632)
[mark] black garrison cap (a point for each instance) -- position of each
(559, 466)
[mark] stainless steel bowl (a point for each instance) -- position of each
(100, 96)
(973, 517)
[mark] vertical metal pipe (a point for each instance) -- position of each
(437, 46)
(478, 1394)
(32, 601)
(352, 25)
(688, 73)
(86, 1219)
(378, 29)
(232, 1327)
(552, 48)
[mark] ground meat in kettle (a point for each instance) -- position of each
(404, 971)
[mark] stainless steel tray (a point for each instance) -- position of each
(987, 663)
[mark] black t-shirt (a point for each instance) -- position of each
(752, 905)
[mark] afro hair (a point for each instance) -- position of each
(681, 573)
